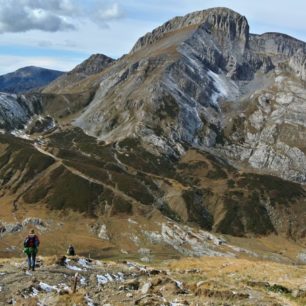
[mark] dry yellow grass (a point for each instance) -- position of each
(64, 228)
(262, 270)
(220, 274)
(266, 245)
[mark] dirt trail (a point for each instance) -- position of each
(131, 170)
(28, 185)
(88, 178)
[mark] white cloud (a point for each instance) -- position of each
(20, 16)
(65, 44)
(109, 13)
(53, 15)
(65, 7)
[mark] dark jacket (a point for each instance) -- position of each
(31, 244)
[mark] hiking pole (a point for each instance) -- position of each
(76, 278)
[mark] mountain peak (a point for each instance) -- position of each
(216, 20)
(94, 64)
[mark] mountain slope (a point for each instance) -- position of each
(185, 81)
(185, 130)
(27, 78)
(70, 171)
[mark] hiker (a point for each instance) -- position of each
(31, 244)
(14, 206)
(70, 250)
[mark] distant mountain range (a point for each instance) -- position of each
(27, 78)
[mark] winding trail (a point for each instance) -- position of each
(88, 178)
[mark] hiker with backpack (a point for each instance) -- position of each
(71, 250)
(31, 244)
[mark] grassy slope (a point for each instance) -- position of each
(95, 181)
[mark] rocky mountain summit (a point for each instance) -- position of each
(27, 78)
(186, 81)
(202, 123)
(93, 65)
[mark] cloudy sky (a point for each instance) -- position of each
(59, 34)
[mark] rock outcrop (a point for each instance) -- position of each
(298, 63)
(226, 24)
(16, 111)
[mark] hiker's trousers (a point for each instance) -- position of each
(31, 260)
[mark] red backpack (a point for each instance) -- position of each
(31, 242)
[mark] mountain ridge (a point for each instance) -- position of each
(195, 18)
(27, 78)
(91, 66)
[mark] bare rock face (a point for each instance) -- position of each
(166, 99)
(270, 132)
(16, 111)
(298, 63)
(103, 232)
(184, 82)
(276, 44)
(227, 24)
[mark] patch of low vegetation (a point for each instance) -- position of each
(21, 157)
(244, 214)
(73, 192)
(197, 212)
(231, 183)
(168, 212)
(131, 186)
(94, 172)
(139, 158)
(168, 107)
(279, 191)
(63, 105)
(278, 289)
(200, 164)
(216, 174)
(120, 206)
